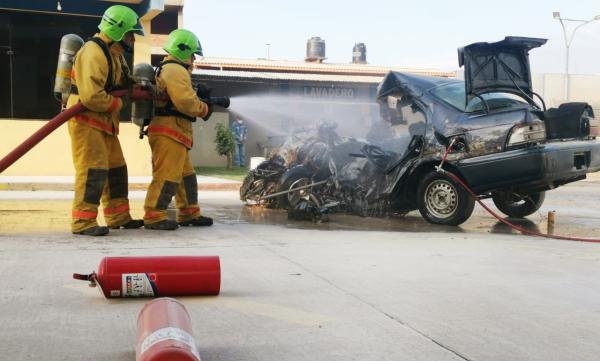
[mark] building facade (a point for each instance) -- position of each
(294, 93)
(30, 33)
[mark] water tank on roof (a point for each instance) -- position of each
(359, 53)
(315, 49)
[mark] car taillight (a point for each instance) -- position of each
(527, 133)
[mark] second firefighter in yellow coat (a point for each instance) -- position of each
(170, 137)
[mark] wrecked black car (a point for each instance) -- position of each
(492, 130)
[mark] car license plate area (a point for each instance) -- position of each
(581, 160)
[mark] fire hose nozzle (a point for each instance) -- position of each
(220, 101)
(204, 93)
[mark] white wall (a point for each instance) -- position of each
(583, 88)
(203, 152)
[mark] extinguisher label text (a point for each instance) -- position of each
(170, 334)
(137, 285)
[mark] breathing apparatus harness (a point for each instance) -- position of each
(168, 109)
(143, 110)
(202, 91)
(110, 83)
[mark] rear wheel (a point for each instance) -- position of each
(299, 176)
(246, 186)
(516, 205)
(296, 196)
(443, 201)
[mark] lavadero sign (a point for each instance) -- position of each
(328, 92)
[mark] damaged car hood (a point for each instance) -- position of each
(410, 84)
(502, 66)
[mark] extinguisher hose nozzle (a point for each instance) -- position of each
(92, 277)
(79, 276)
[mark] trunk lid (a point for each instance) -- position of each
(502, 66)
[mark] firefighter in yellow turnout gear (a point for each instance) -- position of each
(170, 137)
(100, 169)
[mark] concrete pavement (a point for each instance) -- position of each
(353, 289)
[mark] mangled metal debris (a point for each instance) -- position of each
(316, 171)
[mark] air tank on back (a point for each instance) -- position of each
(142, 110)
(359, 53)
(315, 50)
(69, 46)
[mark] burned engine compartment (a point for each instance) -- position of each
(316, 172)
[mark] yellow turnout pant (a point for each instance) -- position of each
(100, 175)
(172, 175)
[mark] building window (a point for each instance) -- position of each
(156, 59)
(29, 44)
(166, 21)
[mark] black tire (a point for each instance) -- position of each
(518, 206)
(287, 179)
(443, 201)
(245, 187)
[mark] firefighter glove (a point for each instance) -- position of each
(203, 91)
(209, 113)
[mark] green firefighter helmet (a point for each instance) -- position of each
(182, 44)
(118, 20)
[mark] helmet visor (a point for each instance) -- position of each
(199, 50)
(138, 28)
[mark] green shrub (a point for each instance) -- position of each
(225, 143)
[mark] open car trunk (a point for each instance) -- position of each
(502, 66)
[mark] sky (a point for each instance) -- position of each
(421, 33)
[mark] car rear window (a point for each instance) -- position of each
(454, 94)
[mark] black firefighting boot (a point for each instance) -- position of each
(133, 224)
(164, 225)
(94, 231)
(198, 222)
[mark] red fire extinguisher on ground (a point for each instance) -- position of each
(164, 332)
(156, 276)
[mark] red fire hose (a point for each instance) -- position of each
(56, 122)
(498, 217)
